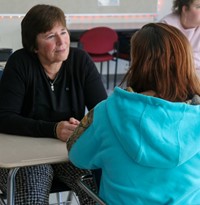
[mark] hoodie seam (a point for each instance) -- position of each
(179, 141)
(141, 134)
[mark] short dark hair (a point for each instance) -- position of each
(178, 5)
(39, 19)
(162, 61)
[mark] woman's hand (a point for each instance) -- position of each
(65, 128)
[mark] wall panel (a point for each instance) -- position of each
(80, 6)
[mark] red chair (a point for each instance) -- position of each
(101, 43)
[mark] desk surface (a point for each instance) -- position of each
(18, 151)
(77, 29)
(115, 26)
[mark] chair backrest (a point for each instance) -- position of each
(5, 54)
(99, 40)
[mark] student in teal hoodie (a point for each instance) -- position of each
(146, 138)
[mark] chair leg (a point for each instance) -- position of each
(59, 197)
(2, 202)
(77, 200)
(101, 66)
(70, 196)
(2, 198)
(108, 71)
(85, 188)
(68, 200)
(115, 74)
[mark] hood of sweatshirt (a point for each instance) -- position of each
(154, 132)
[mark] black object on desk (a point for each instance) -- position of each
(5, 54)
(1, 72)
(124, 45)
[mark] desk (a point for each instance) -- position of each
(115, 26)
(77, 29)
(18, 151)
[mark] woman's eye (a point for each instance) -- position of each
(63, 32)
(50, 36)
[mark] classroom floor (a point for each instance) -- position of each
(53, 199)
(111, 82)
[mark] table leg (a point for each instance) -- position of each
(11, 186)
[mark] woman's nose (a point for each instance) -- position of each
(59, 39)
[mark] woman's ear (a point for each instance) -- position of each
(35, 49)
(35, 46)
(184, 9)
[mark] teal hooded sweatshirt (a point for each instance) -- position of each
(148, 150)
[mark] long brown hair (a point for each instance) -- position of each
(162, 61)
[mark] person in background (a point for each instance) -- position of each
(146, 137)
(44, 91)
(186, 17)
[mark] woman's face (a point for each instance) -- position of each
(191, 15)
(53, 46)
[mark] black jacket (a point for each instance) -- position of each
(29, 107)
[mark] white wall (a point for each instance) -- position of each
(164, 8)
(82, 6)
(10, 36)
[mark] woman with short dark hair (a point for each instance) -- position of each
(44, 91)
